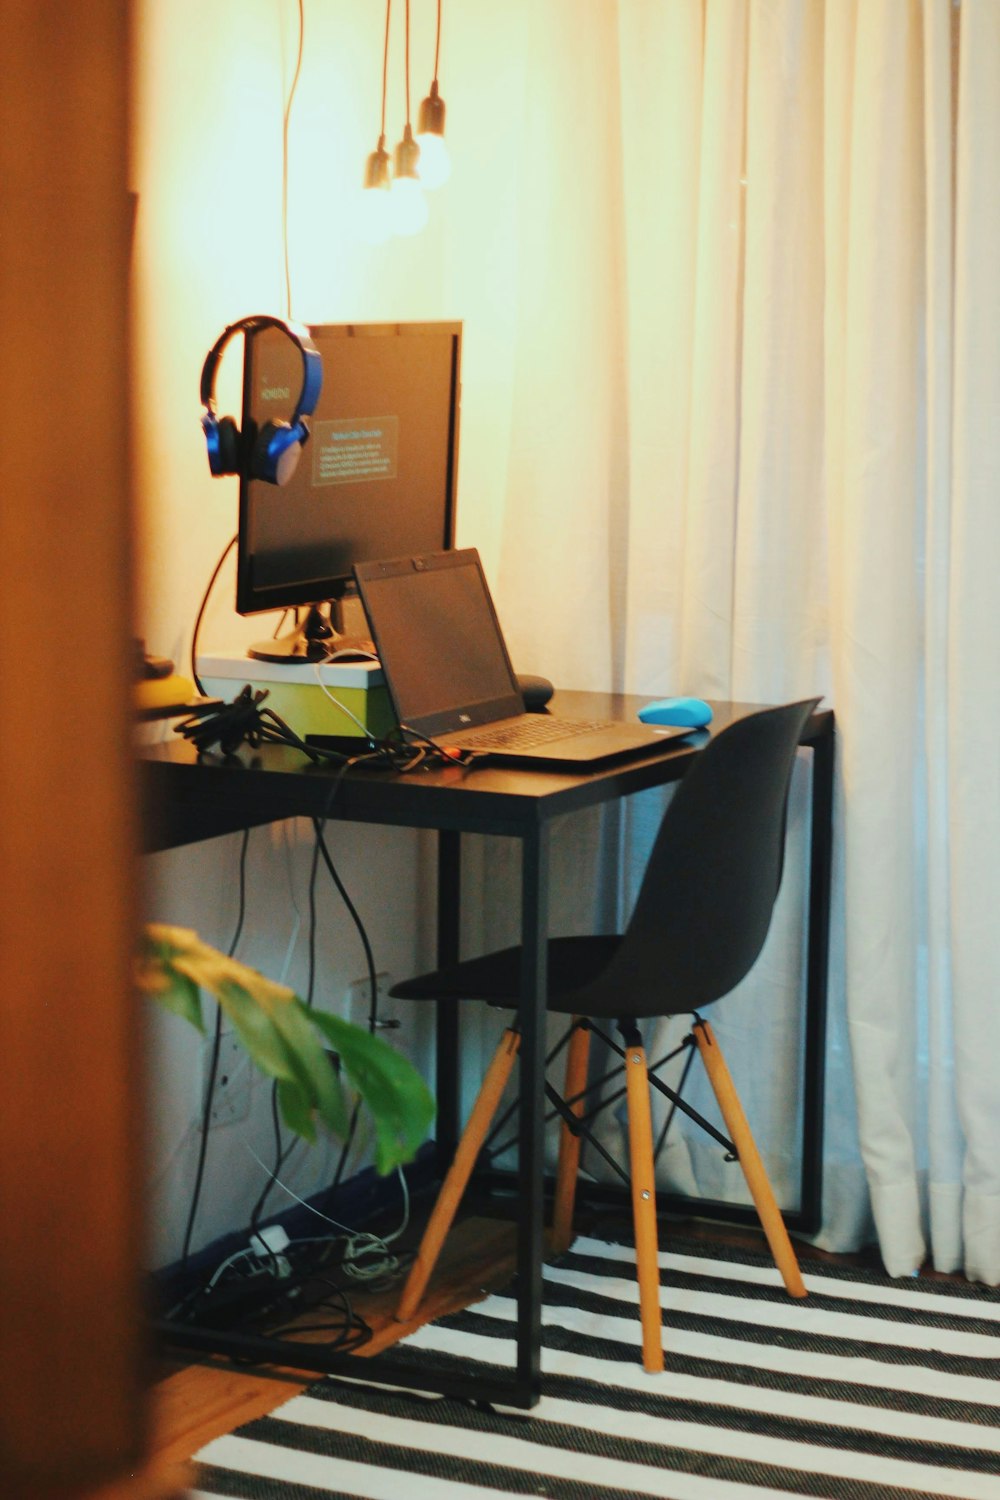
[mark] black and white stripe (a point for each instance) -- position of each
(868, 1390)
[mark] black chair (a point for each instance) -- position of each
(697, 928)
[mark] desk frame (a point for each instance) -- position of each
(190, 801)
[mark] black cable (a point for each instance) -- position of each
(345, 1152)
(445, 755)
(245, 721)
(313, 872)
(352, 1329)
(214, 1063)
(321, 849)
(201, 611)
(281, 1152)
(281, 1315)
(355, 918)
(284, 161)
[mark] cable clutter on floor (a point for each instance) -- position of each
(287, 1286)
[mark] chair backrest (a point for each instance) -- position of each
(705, 903)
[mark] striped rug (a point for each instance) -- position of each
(870, 1389)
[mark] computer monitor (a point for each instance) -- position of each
(376, 479)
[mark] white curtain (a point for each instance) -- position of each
(784, 458)
(730, 426)
(912, 327)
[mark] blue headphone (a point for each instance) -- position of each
(276, 447)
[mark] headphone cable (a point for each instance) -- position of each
(201, 611)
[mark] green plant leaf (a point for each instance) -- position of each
(283, 1045)
(157, 976)
(257, 1031)
(317, 1074)
(287, 1041)
(398, 1099)
(296, 1111)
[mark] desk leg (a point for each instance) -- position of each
(817, 963)
(448, 925)
(531, 1115)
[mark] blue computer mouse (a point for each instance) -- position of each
(690, 712)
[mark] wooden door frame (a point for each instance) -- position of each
(72, 1348)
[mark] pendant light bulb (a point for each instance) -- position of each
(377, 174)
(375, 224)
(435, 163)
(408, 206)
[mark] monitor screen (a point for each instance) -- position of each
(377, 477)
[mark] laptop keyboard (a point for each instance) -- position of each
(530, 732)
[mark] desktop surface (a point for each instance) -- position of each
(187, 799)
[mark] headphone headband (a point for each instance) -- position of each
(312, 363)
(276, 450)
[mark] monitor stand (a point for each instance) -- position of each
(314, 639)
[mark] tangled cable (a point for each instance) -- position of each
(245, 722)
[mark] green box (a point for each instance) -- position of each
(296, 693)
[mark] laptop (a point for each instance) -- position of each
(449, 677)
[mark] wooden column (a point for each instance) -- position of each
(70, 1107)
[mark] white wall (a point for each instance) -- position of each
(529, 196)
(212, 82)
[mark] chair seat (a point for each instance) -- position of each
(574, 962)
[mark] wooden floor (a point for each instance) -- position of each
(194, 1403)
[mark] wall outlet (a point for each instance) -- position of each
(233, 1076)
(359, 1003)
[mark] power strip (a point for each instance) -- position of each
(239, 1299)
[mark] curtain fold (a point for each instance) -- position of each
(974, 639)
(811, 314)
(945, 1144)
(877, 503)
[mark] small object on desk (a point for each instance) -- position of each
(147, 666)
(169, 697)
(692, 712)
(536, 691)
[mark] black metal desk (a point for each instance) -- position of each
(189, 801)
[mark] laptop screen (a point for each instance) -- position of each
(439, 641)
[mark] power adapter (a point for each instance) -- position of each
(271, 1240)
(269, 1243)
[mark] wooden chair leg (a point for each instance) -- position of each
(640, 1141)
(568, 1167)
(459, 1172)
(749, 1158)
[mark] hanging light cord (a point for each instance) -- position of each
(385, 70)
(437, 42)
(284, 160)
(407, 62)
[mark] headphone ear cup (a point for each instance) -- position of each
(228, 446)
(275, 453)
(223, 441)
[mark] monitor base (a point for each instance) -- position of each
(314, 639)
